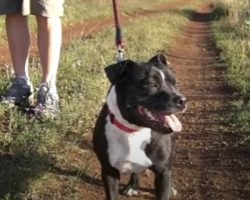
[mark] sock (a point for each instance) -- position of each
(25, 78)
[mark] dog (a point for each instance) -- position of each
(136, 127)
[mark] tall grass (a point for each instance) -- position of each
(233, 38)
(232, 34)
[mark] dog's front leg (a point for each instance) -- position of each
(111, 179)
(163, 184)
(132, 187)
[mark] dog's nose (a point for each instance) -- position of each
(181, 101)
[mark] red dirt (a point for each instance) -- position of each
(207, 164)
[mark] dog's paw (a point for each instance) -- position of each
(130, 191)
(173, 192)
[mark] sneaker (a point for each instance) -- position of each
(47, 102)
(19, 92)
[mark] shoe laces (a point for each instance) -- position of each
(42, 95)
(45, 97)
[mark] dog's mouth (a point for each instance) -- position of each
(160, 119)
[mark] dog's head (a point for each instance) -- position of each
(147, 94)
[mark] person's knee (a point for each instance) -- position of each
(15, 16)
(48, 22)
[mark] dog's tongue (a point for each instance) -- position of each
(173, 122)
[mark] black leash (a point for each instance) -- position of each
(118, 37)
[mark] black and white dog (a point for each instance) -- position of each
(135, 129)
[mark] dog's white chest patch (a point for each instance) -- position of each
(126, 150)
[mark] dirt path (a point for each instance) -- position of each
(207, 165)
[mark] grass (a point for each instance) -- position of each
(102, 8)
(232, 35)
(49, 159)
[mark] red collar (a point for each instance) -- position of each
(119, 125)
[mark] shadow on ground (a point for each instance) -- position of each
(216, 14)
(17, 170)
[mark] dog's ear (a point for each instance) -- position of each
(115, 71)
(159, 59)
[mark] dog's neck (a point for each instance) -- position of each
(119, 125)
(115, 114)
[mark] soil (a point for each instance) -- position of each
(209, 164)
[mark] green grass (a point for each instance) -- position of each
(232, 35)
(80, 10)
(48, 159)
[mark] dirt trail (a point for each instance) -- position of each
(207, 166)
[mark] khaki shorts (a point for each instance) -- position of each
(46, 8)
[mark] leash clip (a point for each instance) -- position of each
(121, 53)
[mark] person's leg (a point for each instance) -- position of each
(48, 13)
(19, 42)
(49, 45)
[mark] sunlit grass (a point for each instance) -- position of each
(232, 35)
(103, 8)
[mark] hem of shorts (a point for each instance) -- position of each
(10, 12)
(43, 14)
